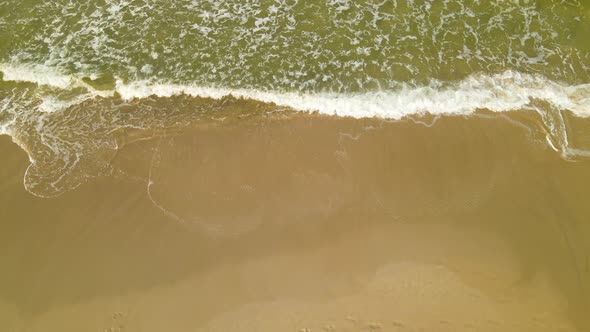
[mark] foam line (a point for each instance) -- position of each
(506, 91)
(503, 92)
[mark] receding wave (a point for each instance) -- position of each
(71, 129)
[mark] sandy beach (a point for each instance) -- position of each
(305, 223)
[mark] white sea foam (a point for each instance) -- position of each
(47, 76)
(501, 92)
(50, 104)
(39, 74)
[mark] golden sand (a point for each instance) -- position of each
(306, 224)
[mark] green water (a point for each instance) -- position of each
(337, 45)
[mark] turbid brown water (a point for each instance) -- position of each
(306, 223)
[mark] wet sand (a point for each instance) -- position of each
(306, 223)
